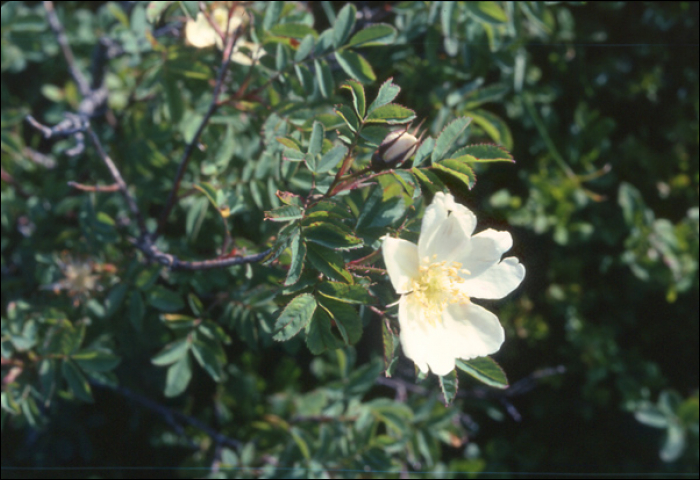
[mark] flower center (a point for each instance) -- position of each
(437, 285)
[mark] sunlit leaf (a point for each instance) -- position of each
(484, 369)
(294, 317)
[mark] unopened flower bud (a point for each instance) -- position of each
(395, 149)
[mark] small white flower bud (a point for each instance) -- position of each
(395, 149)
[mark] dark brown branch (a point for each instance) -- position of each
(54, 22)
(6, 177)
(123, 189)
(184, 161)
(76, 125)
(145, 244)
(94, 188)
(173, 416)
(144, 241)
(39, 158)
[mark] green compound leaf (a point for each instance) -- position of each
(328, 209)
(428, 181)
(177, 321)
(306, 78)
(358, 96)
(293, 30)
(387, 93)
(392, 114)
(304, 48)
(486, 370)
(281, 57)
(356, 66)
(331, 235)
(457, 169)
(154, 10)
(374, 134)
(494, 126)
(178, 377)
(324, 78)
(210, 356)
(489, 12)
(650, 415)
(298, 255)
(674, 443)
(165, 300)
(76, 380)
(328, 262)
(383, 207)
(389, 342)
(294, 317)
(210, 192)
(324, 43)
(447, 17)
(448, 137)
(449, 384)
(319, 336)
(172, 352)
(284, 239)
(348, 116)
(289, 143)
(331, 158)
(344, 25)
(492, 93)
(272, 14)
(379, 34)
(346, 319)
(96, 360)
(342, 292)
(316, 139)
(424, 151)
(137, 310)
(484, 153)
(285, 213)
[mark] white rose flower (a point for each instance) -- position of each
(200, 34)
(438, 278)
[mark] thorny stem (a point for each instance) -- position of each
(170, 203)
(6, 177)
(173, 416)
(366, 259)
(123, 189)
(62, 39)
(94, 188)
(77, 125)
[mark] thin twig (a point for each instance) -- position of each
(94, 188)
(146, 245)
(144, 242)
(54, 22)
(170, 415)
(39, 158)
(123, 189)
(184, 161)
(6, 177)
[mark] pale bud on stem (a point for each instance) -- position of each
(396, 148)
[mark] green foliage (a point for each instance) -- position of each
(290, 364)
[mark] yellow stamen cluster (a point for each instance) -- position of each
(437, 285)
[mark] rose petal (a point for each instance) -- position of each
(401, 260)
(495, 282)
(199, 33)
(414, 335)
(466, 331)
(473, 332)
(433, 217)
(443, 236)
(486, 250)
